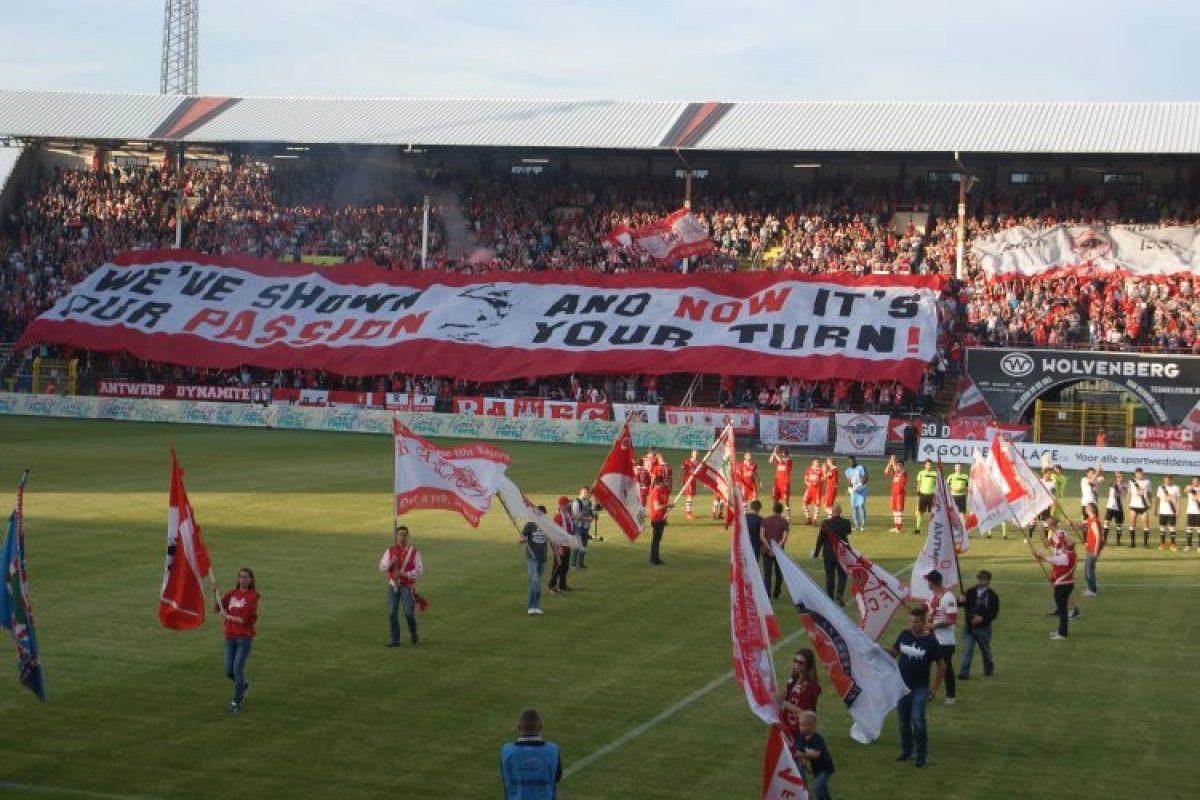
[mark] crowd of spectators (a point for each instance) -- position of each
(73, 220)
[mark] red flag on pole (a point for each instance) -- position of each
(181, 601)
(616, 490)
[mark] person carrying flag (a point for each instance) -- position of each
(239, 611)
(1094, 543)
(1062, 578)
(402, 564)
(537, 546)
(899, 475)
(562, 552)
(660, 503)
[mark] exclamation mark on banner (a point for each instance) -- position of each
(914, 340)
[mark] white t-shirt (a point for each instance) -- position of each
(946, 609)
(1193, 500)
(1087, 492)
(1168, 500)
(1139, 494)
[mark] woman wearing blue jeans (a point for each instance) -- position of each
(239, 610)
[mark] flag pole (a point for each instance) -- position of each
(691, 478)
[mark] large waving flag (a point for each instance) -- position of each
(461, 479)
(1034, 498)
(751, 621)
(986, 505)
(616, 490)
(939, 551)
(16, 614)
(181, 601)
(521, 511)
(782, 779)
(863, 674)
(679, 235)
(877, 593)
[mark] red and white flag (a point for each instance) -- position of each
(938, 552)
(986, 506)
(521, 511)
(865, 677)
(782, 779)
(616, 490)
(877, 593)
(752, 622)
(970, 401)
(678, 236)
(1023, 491)
(181, 601)
(620, 236)
(461, 479)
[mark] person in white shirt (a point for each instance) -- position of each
(1114, 510)
(1193, 514)
(1139, 507)
(1168, 511)
(1087, 491)
(941, 611)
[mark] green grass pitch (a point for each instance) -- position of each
(631, 671)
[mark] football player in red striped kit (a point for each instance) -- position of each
(781, 492)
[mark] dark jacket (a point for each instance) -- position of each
(834, 526)
(988, 609)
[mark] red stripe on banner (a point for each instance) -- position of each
(431, 498)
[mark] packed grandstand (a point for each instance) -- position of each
(71, 207)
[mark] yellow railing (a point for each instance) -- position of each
(55, 376)
(1081, 423)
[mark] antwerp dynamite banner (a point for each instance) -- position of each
(220, 312)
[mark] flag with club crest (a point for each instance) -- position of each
(864, 676)
(181, 601)
(752, 621)
(938, 552)
(461, 478)
(877, 593)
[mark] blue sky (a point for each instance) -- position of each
(945, 50)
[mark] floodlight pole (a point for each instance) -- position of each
(181, 48)
(960, 271)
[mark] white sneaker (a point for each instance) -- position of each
(1054, 637)
(535, 611)
(1089, 593)
(951, 700)
(531, 611)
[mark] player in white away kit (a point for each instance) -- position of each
(1114, 510)
(1087, 491)
(1139, 507)
(1168, 512)
(1193, 514)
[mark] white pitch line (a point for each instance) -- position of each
(59, 790)
(1108, 584)
(633, 733)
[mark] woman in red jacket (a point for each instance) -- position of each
(239, 610)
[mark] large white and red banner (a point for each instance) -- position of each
(359, 319)
(181, 601)
(1159, 438)
(1145, 250)
(752, 621)
(793, 430)
(861, 434)
(741, 419)
(521, 510)
(460, 479)
(864, 676)
(679, 235)
(945, 528)
(534, 407)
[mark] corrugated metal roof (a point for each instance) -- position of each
(1104, 128)
(83, 115)
(1151, 128)
(478, 123)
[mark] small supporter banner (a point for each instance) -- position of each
(793, 430)
(741, 419)
(635, 412)
(1157, 438)
(528, 407)
(861, 434)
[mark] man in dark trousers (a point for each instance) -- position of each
(910, 441)
(839, 527)
(982, 605)
(775, 529)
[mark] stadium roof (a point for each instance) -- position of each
(1059, 128)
